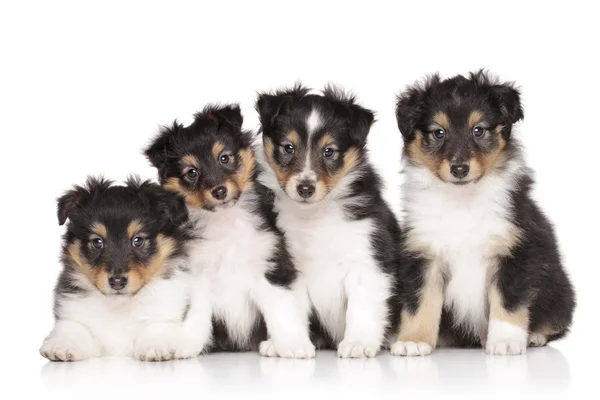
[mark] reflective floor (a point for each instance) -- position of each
(451, 372)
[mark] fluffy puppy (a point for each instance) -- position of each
(243, 270)
(341, 232)
(480, 251)
(121, 291)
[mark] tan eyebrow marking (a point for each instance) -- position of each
(134, 228)
(441, 118)
(293, 137)
(475, 117)
(217, 149)
(190, 161)
(99, 229)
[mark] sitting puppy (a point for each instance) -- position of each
(243, 271)
(342, 234)
(481, 253)
(121, 291)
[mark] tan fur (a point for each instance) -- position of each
(424, 325)
(330, 181)
(244, 176)
(282, 176)
(293, 137)
(415, 152)
(193, 199)
(141, 275)
(217, 149)
(326, 140)
(481, 165)
(441, 118)
(99, 229)
(96, 276)
(134, 228)
(519, 317)
(474, 118)
(190, 161)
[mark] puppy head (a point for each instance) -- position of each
(312, 141)
(210, 162)
(459, 128)
(119, 238)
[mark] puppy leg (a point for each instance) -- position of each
(286, 315)
(367, 290)
(70, 341)
(419, 329)
(507, 330)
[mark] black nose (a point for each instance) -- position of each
(219, 192)
(117, 282)
(305, 190)
(459, 171)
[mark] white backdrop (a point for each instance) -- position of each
(85, 85)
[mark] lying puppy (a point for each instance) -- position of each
(243, 272)
(480, 251)
(342, 234)
(122, 288)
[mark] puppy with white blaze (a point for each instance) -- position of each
(483, 264)
(122, 288)
(342, 235)
(244, 290)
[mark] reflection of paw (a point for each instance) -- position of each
(537, 340)
(411, 348)
(269, 349)
(356, 349)
(64, 348)
(505, 338)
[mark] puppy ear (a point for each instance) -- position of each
(271, 105)
(410, 105)
(509, 100)
(69, 204)
(361, 120)
(158, 150)
(229, 114)
(171, 206)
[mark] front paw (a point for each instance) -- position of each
(408, 348)
(505, 347)
(356, 349)
(64, 349)
(505, 338)
(300, 350)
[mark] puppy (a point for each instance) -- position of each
(341, 232)
(121, 291)
(243, 270)
(481, 252)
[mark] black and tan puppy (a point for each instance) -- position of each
(122, 288)
(483, 259)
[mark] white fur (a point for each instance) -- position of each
(505, 338)
(229, 263)
(337, 265)
(411, 349)
(94, 325)
(459, 224)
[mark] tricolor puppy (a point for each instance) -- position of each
(484, 262)
(341, 232)
(242, 267)
(122, 288)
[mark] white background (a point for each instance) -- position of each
(83, 87)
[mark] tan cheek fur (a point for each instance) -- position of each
(329, 182)
(96, 276)
(282, 176)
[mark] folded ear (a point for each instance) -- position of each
(229, 114)
(158, 149)
(361, 120)
(272, 105)
(170, 205)
(410, 105)
(510, 102)
(69, 204)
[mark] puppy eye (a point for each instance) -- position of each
(439, 133)
(224, 159)
(137, 241)
(192, 173)
(328, 152)
(97, 243)
(289, 148)
(478, 131)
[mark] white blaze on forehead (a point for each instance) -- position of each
(313, 122)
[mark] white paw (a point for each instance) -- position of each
(64, 348)
(411, 349)
(537, 340)
(269, 349)
(506, 347)
(356, 349)
(165, 342)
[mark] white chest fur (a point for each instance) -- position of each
(463, 228)
(232, 257)
(328, 250)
